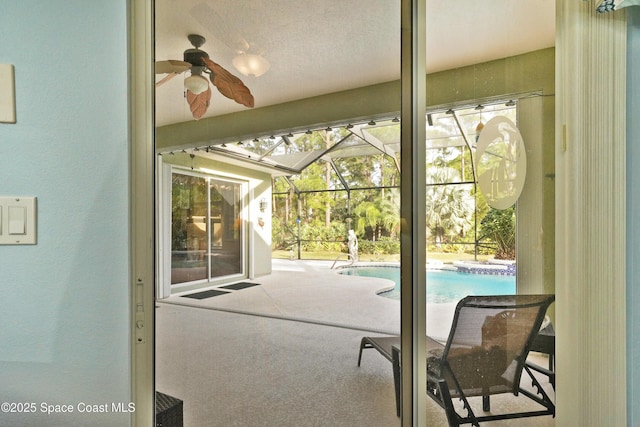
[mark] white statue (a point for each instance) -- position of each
(353, 245)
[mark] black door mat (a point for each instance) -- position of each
(241, 285)
(205, 294)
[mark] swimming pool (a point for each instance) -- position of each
(442, 286)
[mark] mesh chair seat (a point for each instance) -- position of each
(486, 354)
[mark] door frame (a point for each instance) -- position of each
(141, 118)
(142, 209)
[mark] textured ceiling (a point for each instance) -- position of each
(317, 47)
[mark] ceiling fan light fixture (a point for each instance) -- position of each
(250, 64)
(196, 84)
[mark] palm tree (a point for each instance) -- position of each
(368, 215)
(390, 208)
(449, 207)
(381, 215)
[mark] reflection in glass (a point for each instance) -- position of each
(188, 228)
(226, 228)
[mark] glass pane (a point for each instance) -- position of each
(363, 171)
(188, 228)
(301, 149)
(262, 146)
(455, 207)
(226, 228)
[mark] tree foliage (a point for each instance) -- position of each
(449, 207)
(500, 227)
(379, 217)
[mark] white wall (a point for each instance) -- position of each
(65, 301)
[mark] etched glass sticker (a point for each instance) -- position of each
(501, 162)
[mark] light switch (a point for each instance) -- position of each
(7, 94)
(17, 220)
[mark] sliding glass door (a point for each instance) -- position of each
(207, 228)
(226, 231)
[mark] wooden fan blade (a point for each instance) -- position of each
(228, 84)
(199, 103)
(171, 66)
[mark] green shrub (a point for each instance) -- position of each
(385, 246)
(500, 227)
(317, 237)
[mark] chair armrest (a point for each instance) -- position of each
(540, 369)
(548, 372)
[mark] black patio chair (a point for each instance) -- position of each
(485, 355)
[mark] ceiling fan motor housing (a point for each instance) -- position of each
(194, 57)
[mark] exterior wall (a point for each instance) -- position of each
(65, 301)
(259, 240)
(533, 244)
(366, 102)
(519, 74)
(633, 214)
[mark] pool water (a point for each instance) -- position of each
(443, 286)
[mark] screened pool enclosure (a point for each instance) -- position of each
(329, 180)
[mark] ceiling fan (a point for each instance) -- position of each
(197, 86)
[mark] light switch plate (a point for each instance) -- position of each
(7, 94)
(18, 220)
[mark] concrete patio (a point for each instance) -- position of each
(310, 291)
(285, 352)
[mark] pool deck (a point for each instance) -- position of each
(199, 351)
(310, 291)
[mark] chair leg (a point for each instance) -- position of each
(362, 343)
(486, 404)
(452, 415)
(397, 377)
(552, 378)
